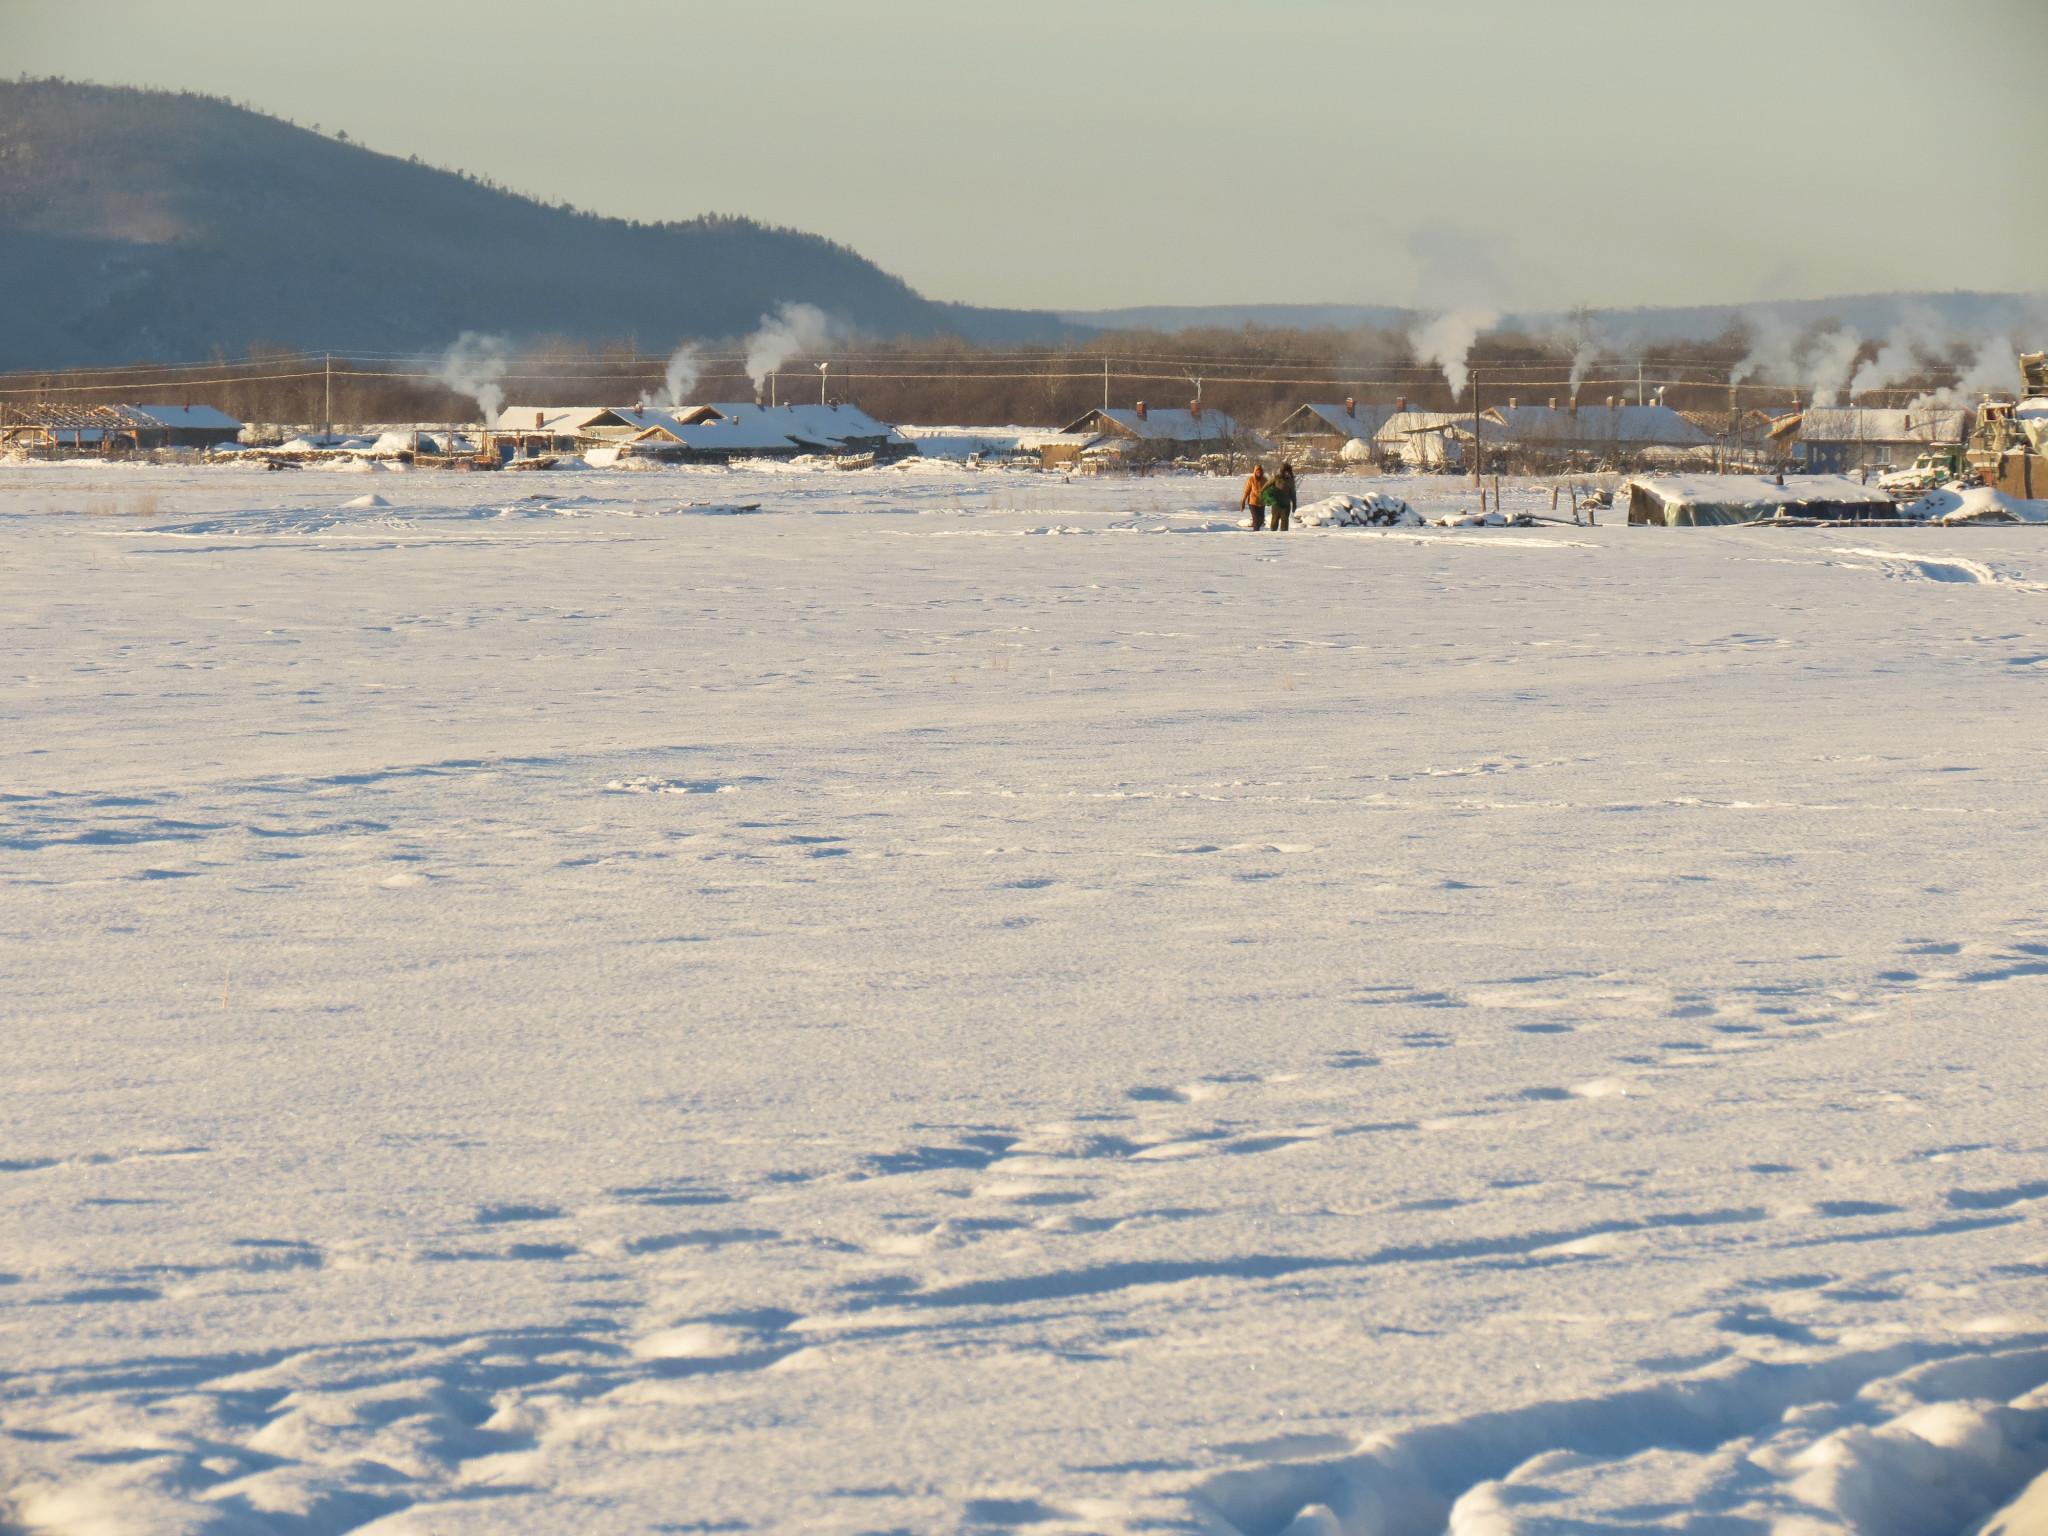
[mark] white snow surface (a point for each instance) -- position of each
(543, 1007)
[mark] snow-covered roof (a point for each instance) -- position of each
(1644, 424)
(1863, 424)
(821, 424)
(718, 433)
(1362, 423)
(560, 420)
(1171, 426)
(199, 416)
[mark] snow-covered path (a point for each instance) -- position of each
(962, 1000)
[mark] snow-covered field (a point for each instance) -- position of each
(968, 1001)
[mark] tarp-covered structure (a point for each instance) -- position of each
(1703, 501)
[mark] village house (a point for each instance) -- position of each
(1736, 433)
(1326, 429)
(1611, 430)
(835, 428)
(1832, 439)
(1142, 432)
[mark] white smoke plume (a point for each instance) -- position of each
(473, 367)
(792, 329)
(1583, 356)
(1448, 339)
(1829, 364)
(1588, 340)
(1780, 355)
(1916, 343)
(685, 367)
(1769, 359)
(1995, 368)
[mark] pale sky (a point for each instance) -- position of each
(1082, 154)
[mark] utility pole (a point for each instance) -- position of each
(329, 434)
(1639, 383)
(1475, 435)
(1105, 381)
(823, 369)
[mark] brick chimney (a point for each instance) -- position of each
(1610, 402)
(1350, 407)
(1141, 410)
(1401, 405)
(540, 418)
(1511, 402)
(1553, 402)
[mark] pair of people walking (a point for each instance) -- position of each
(1274, 497)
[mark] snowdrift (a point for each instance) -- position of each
(1976, 504)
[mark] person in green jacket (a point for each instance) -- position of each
(1279, 498)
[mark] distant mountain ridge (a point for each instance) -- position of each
(1871, 314)
(160, 226)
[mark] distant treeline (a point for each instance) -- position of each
(1258, 375)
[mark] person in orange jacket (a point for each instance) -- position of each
(1254, 497)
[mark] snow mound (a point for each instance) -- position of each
(1378, 510)
(365, 501)
(1977, 504)
(1879, 1440)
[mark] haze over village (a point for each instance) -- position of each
(1242, 771)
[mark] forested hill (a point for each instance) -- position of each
(151, 225)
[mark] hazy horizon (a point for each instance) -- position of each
(1057, 157)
